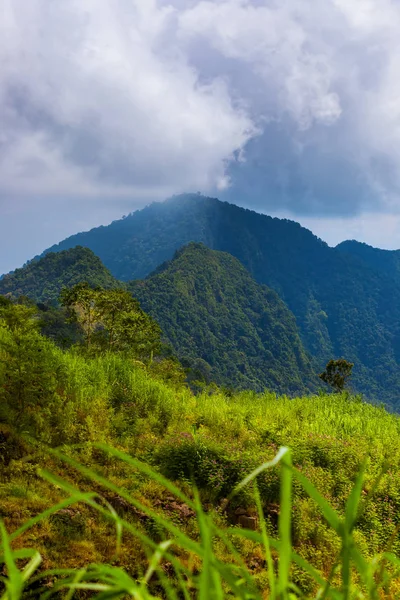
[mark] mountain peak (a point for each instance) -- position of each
(42, 279)
(346, 300)
(210, 308)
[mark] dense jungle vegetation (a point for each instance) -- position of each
(156, 517)
(210, 308)
(42, 280)
(346, 301)
(224, 327)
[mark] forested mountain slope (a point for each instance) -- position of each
(209, 307)
(343, 306)
(382, 261)
(42, 280)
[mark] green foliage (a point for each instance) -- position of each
(354, 575)
(337, 373)
(80, 302)
(325, 516)
(27, 370)
(386, 261)
(344, 305)
(211, 309)
(39, 395)
(42, 280)
(111, 320)
(211, 467)
(54, 323)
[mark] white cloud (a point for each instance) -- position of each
(148, 98)
(275, 43)
(290, 106)
(90, 98)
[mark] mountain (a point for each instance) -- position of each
(42, 280)
(344, 306)
(134, 246)
(210, 308)
(216, 317)
(382, 261)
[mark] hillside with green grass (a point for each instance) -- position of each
(344, 306)
(42, 280)
(116, 481)
(210, 308)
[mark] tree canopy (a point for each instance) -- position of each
(111, 320)
(222, 323)
(42, 280)
(337, 373)
(344, 305)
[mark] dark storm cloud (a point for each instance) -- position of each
(322, 83)
(303, 181)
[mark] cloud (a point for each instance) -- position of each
(94, 102)
(272, 104)
(325, 82)
(273, 44)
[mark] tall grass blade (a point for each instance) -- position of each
(285, 525)
(156, 559)
(210, 580)
(346, 531)
(267, 465)
(14, 582)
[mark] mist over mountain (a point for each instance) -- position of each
(132, 247)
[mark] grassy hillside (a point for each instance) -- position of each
(42, 280)
(343, 306)
(210, 308)
(210, 440)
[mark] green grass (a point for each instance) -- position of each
(157, 516)
(359, 576)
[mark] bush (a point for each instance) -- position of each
(211, 467)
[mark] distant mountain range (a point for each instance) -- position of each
(346, 300)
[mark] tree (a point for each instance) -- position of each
(40, 398)
(18, 318)
(124, 325)
(80, 302)
(112, 320)
(337, 373)
(28, 368)
(56, 325)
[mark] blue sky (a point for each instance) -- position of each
(289, 108)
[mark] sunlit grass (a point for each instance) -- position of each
(341, 542)
(359, 576)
